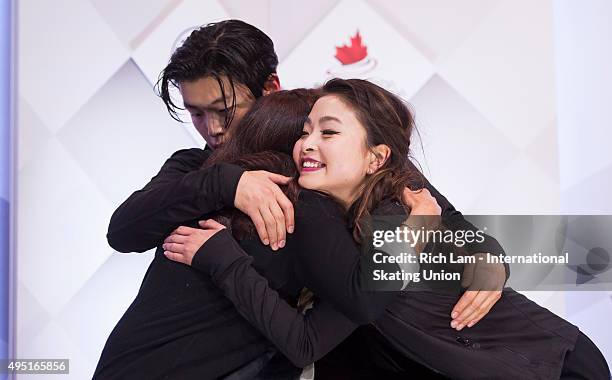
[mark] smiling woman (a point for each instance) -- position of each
(355, 145)
(360, 157)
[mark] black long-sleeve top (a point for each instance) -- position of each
(517, 339)
(178, 308)
(181, 326)
(183, 192)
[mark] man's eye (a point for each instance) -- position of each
(225, 111)
(196, 114)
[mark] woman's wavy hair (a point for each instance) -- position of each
(263, 140)
(387, 120)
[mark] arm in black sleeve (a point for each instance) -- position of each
(326, 260)
(181, 192)
(302, 338)
(331, 264)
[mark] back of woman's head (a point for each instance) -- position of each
(387, 120)
(273, 123)
(263, 140)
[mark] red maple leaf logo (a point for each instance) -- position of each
(351, 54)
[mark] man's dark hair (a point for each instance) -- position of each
(232, 49)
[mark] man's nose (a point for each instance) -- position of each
(214, 128)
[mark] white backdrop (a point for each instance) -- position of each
(488, 80)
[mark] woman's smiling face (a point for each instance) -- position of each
(332, 154)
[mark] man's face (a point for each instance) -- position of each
(204, 101)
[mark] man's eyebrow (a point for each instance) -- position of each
(187, 105)
(218, 100)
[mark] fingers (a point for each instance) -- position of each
(486, 307)
(287, 208)
(471, 310)
(465, 300)
(278, 179)
(421, 200)
(270, 224)
(481, 303)
(279, 219)
(408, 197)
(210, 224)
(260, 226)
(174, 247)
(175, 256)
(282, 209)
(183, 230)
(174, 238)
(259, 196)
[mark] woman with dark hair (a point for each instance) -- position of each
(354, 149)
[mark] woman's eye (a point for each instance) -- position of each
(329, 132)
(304, 133)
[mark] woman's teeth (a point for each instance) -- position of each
(311, 164)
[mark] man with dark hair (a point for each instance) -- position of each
(219, 71)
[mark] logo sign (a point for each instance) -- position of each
(354, 41)
(354, 59)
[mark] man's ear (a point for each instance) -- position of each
(378, 156)
(272, 84)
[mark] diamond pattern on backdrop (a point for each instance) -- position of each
(91, 131)
(130, 20)
(30, 323)
(587, 310)
(66, 52)
(33, 133)
(456, 165)
(254, 13)
(103, 143)
(61, 227)
(153, 54)
(506, 71)
(454, 21)
(520, 188)
(590, 190)
(292, 21)
(54, 342)
(544, 151)
(115, 283)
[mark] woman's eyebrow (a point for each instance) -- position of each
(329, 118)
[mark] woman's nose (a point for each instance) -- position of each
(309, 144)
